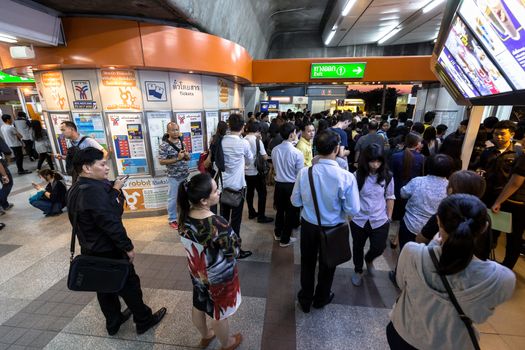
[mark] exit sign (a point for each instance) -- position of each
(354, 70)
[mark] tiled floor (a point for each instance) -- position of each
(37, 311)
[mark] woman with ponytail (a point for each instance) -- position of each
(424, 316)
(53, 197)
(211, 248)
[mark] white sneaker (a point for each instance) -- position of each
(284, 245)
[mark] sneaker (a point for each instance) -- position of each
(284, 245)
(370, 269)
(244, 254)
(155, 319)
(174, 225)
(264, 220)
(9, 206)
(357, 279)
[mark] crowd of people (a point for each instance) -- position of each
(367, 172)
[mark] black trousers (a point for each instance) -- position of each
(256, 182)
(377, 238)
(131, 294)
(395, 341)
(309, 256)
(46, 157)
(513, 245)
(6, 188)
(287, 215)
(405, 235)
(19, 158)
(233, 215)
(30, 150)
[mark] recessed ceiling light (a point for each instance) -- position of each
(348, 7)
(389, 18)
(388, 36)
(390, 11)
(330, 37)
(191, 72)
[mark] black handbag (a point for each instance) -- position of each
(263, 168)
(231, 197)
(466, 320)
(335, 243)
(95, 274)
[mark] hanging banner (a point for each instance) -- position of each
(53, 91)
(129, 147)
(82, 89)
(212, 119)
(225, 88)
(146, 193)
(210, 92)
(186, 91)
(120, 90)
(92, 125)
(155, 89)
(157, 122)
(190, 125)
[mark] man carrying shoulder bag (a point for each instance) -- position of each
(95, 207)
(336, 196)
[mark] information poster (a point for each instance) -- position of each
(186, 91)
(56, 120)
(120, 90)
(212, 119)
(225, 93)
(128, 143)
(471, 57)
(225, 115)
(190, 125)
(92, 125)
(156, 90)
(53, 91)
(146, 193)
(500, 27)
(157, 122)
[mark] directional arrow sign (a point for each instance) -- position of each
(353, 70)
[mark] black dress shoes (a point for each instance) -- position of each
(324, 303)
(155, 319)
(126, 314)
(252, 215)
(244, 254)
(264, 220)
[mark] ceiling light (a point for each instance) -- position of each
(390, 11)
(432, 5)
(389, 18)
(8, 38)
(330, 37)
(388, 36)
(348, 7)
(334, 27)
(388, 24)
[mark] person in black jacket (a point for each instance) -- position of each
(95, 207)
(53, 198)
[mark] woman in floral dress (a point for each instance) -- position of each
(211, 247)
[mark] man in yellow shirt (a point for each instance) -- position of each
(305, 143)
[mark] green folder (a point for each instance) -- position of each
(501, 221)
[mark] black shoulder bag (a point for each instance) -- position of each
(335, 243)
(95, 274)
(466, 320)
(262, 166)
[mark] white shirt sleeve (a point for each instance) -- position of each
(351, 202)
(389, 193)
(248, 155)
(262, 151)
(296, 198)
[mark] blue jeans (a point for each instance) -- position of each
(45, 206)
(173, 190)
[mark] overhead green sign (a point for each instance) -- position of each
(7, 78)
(353, 70)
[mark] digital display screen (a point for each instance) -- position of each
(500, 26)
(473, 60)
(455, 72)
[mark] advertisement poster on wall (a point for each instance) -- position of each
(156, 90)
(82, 89)
(225, 115)
(225, 88)
(186, 91)
(120, 90)
(212, 119)
(92, 125)
(190, 125)
(157, 122)
(146, 193)
(128, 143)
(210, 92)
(53, 91)
(57, 119)
(500, 26)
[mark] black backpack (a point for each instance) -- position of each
(71, 151)
(218, 155)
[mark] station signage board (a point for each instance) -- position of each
(347, 70)
(7, 78)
